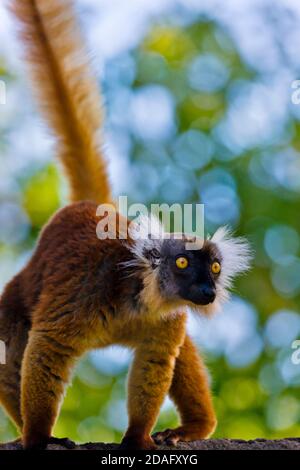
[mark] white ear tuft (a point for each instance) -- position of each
(236, 254)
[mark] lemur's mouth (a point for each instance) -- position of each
(203, 302)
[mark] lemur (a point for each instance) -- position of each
(79, 292)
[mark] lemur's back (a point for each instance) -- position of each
(76, 222)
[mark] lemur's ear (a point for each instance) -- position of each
(146, 234)
(236, 254)
(154, 253)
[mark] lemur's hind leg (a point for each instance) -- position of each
(46, 365)
(14, 334)
(191, 394)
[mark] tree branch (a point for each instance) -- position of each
(209, 444)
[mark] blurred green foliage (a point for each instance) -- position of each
(44, 188)
(202, 150)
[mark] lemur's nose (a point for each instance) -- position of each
(208, 293)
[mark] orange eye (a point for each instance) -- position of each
(216, 267)
(182, 262)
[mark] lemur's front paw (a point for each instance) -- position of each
(169, 437)
(137, 443)
(188, 432)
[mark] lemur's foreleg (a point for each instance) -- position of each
(191, 394)
(150, 379)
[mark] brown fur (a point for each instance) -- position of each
(73, 295)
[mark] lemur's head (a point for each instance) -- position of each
(182, 270)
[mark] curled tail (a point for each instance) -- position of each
(67, 92)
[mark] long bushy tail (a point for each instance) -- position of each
(67, 92)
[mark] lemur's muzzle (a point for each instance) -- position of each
(202, 294)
